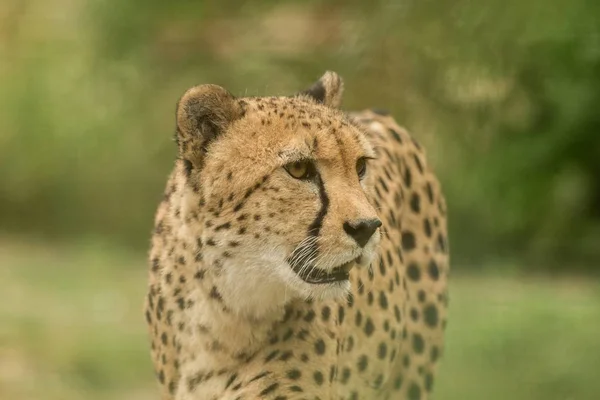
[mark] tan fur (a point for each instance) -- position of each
(230, 319)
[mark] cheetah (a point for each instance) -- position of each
(299, 252)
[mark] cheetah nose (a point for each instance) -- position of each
(362, 230)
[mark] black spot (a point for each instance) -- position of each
(230, 381)
(320, 347)
(296, 389)
(397, 313)
(294, 374)
(418, 343)
(358, 319)
(363, 362)
(414, 314)
(224, 226)
(325, 313)
(349, 344)
(413, 272)
(434, 271)
(181, 303)
(395, 135)
(415, 203)
(383, 185)
(288, 335)
(271, 356)
(381, 266)
(200, 274)
(378, 381)
(430, 315)
(371, 274)
(421, 296)
(382, 350)
(345, 375)
(427, 227)
(441, 242)
(164, 338)
(361, 286)
(286, 355)
(214, 293)
(161, 376)
(269, 389)
(302, 334)
(383, 302)
(418, 163)
(310, 315)
(414, 392)
(389, 258)
(318, 377)
(434, 355)
(370, 298)
(407, 177)
(398, 382)
(406, 361)
(369, 327)
(259, 376)
(428, 381)
(187, 165)
(429, 191)
(409, 241)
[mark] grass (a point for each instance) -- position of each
(72, 328)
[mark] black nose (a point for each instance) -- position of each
(362, 230)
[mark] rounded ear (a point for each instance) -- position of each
(327, 90)
(203, 113)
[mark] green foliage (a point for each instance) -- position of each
(503, 95)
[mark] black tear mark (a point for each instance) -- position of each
(315, 227)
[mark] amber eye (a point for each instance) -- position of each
(361, 167)
(301, 169)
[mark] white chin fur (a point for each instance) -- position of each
(263, 285)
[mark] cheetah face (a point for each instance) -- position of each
(283, 185)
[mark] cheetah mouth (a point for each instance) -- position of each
(319, 276)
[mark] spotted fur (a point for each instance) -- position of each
(230, 318)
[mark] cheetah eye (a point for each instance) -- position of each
(303, 169)
(361, 167)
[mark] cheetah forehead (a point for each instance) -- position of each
(289, 127)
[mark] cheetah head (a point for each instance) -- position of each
(279, 187)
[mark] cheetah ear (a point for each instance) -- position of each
(327, 90)
(203, 113)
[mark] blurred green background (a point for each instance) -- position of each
(504, 94)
